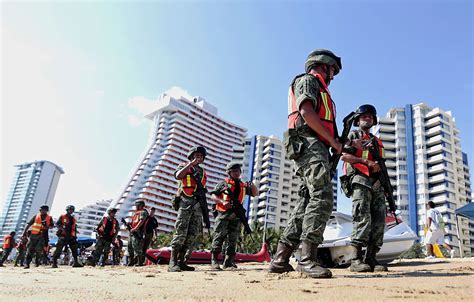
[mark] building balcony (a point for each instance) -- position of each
(436, 168)
(435, 149)
(438, 189)
(437, 178)
(436, 159)
(432, 121)
(433, 131)
(434, 140)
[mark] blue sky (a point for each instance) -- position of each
(76, 76)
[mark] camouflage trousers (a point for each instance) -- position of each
(368, 214)
(147, 242)
(6, 253)
(313, 209)
(36, 245)
(63, 242)
(116, 255)
(137, 243)
(20, 257)
(188, 225)
(102, 247)
(227, 227)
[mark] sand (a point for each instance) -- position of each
(429, 280)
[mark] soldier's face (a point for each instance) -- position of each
(199, 157)
(235, 173)
(366, 121)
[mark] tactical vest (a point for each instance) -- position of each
(221, 207)
(103, 224)
(189, 185)
(326, 109)
(365, 154)
(66, 220)
(136, 218)
(37, 227)
(7, 242)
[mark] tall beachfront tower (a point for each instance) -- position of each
(426, 163)
(180, 122)
(33, 185)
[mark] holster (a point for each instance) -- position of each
(346, 185)
(293, 144)
(175, 202)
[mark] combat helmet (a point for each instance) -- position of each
(198, 149)
(364, 109)
(323, 56)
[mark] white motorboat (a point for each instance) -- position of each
(336, 249)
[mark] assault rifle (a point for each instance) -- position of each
(201, 198)
(383, 176)
(334, 160)
(239, 211)
(129, 227)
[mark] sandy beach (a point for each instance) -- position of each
(435, 280)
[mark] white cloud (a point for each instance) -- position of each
(141, 104)
(134, 120)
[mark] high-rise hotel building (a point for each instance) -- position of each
(33, 185)
(426, 163)
(180, 122)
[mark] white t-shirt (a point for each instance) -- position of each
(435, 218)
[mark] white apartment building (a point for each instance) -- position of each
(33, 185)
(180, 122)
(425, 162)
(89, 217)
(265, 163)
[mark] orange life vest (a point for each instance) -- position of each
(7, 242)
(37, 227)
(103, 224)
(326, 110)
(66, 220)
(365, 154)
(189, 185)
(136, 218)
(221, 207)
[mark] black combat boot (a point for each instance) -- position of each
(173, 265)
(182, 263)
(215, 261)
(281, 261)
(229, 262)
(357, 264)
(141, 261)
(371, 260)
(76, 263)
(27, 263)
(132, 261)
(55, 263)
(308, 263)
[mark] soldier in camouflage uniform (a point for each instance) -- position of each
(21, 250)
(311, 132)
(40, 224)
(107, 229)
(137, 233)
(67, 236)
(228, 224)
(368, 206)
(189, 221)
